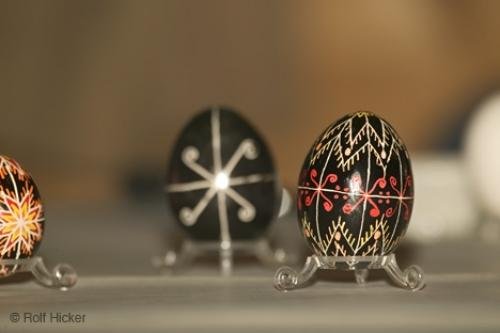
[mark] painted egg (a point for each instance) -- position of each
(21, 214)
(221, 181)
(355, 191)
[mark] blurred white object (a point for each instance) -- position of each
(286, 203)
(482, 156)
(443, 207)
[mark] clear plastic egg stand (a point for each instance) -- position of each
(411, 278)
(225, 249)
(355, 197)
(62, 276)
(220, 177)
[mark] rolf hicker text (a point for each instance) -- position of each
(53, 317)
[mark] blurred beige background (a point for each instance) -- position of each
(92, 92)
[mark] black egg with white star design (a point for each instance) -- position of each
(221, 182)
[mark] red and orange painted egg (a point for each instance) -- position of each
(21, 215)
(355, 191)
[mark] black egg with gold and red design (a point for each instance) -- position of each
(355, 191)
(21, 214)
(221, 181)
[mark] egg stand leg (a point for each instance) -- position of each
(361, 275)
(260, 248)
(288, 279)
(411, 278)
(62, 277)
(174, 260)
(226, 258)
(267, 255)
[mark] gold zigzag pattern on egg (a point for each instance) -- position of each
(337, 233)
(346, 155)
(375, 241)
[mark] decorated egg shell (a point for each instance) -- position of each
(221, 181)
(355, 191)
(21, 214)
